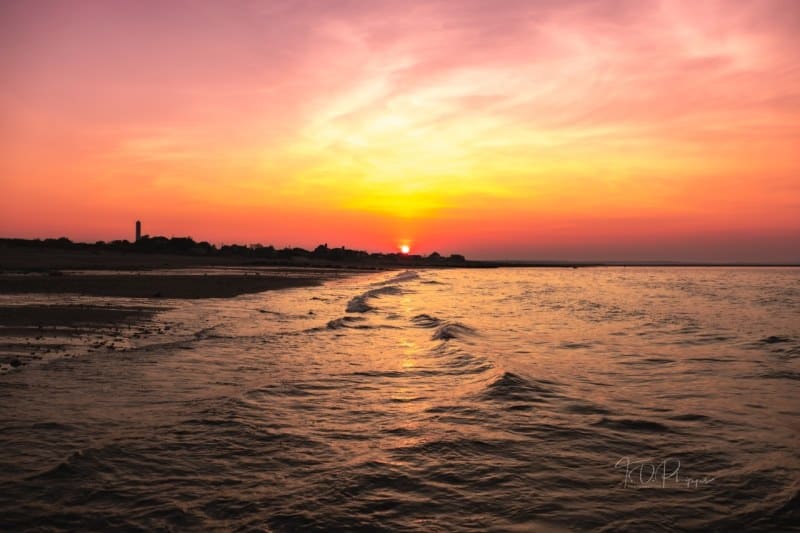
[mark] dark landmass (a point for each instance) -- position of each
(48, 316)
(131, 285)
(181, 252)
(48, 255)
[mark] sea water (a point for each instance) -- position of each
(434, 400)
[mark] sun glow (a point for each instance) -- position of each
(405, 249)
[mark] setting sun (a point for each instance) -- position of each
(405, 249)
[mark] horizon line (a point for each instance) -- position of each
(510, 262)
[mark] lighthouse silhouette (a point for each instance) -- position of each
(138, 230)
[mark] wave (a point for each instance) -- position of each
(81, 462)
(575, 345)
(631, 424)
(781, 374)
(451, 330)
(774, 339)
(408, 275)
(456, 447)
(649, 361)
(426, 321)
(360, 304)
(586, 409)
(512, 387)
(690, 417)
(347, 322)
(782, 346)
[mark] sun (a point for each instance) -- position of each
(404, 249)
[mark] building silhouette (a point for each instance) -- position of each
(138, 230)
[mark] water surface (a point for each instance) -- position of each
(438, 400)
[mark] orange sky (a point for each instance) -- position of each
(517, 129)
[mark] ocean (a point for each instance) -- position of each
(520, 399)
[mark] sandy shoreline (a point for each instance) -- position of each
(16, 259)
(36, 331)
(131, 285)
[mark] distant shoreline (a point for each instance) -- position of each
(31, 258)
(646, 264)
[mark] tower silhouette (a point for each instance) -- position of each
(138, 230)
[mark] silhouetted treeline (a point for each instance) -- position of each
(256, 252)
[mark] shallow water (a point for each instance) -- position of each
(440, 400)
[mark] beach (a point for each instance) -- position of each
(108, 309)
(176, 284)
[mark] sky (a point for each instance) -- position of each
(549, 129)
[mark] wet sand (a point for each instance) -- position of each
(131, 285)
(71, 316)
(34, 331)
(35, 259)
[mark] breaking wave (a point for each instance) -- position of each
(451, 330)
(515, 388)
(360, 303)
(408, 275)
(426, 321)
(347, 322)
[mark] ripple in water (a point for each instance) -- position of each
(360, 303)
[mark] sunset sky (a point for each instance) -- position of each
(548, 129)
